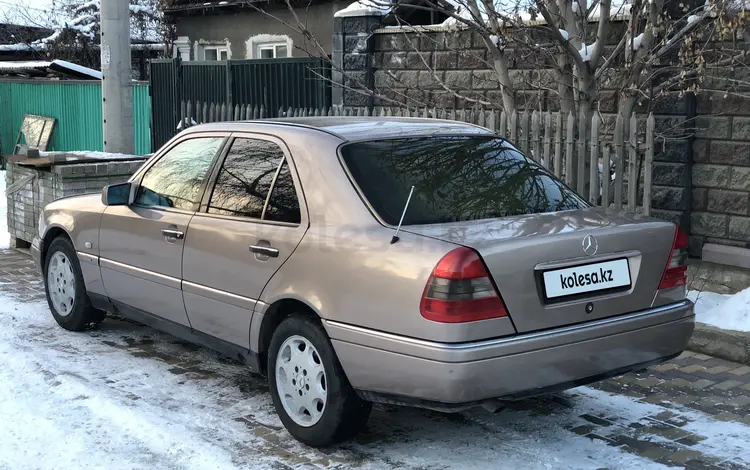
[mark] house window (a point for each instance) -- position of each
(216, 52)
(268, 46)
(272, 51)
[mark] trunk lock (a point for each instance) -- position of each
(589, 307)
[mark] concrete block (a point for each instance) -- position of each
(713, 225)
(713, 176)
(729, 202)
(728, 255)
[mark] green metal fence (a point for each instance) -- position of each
(77, 107)
(271, 83)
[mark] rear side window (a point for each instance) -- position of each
(455, 179)
(175, 180)
(246, 177)
(283, 205)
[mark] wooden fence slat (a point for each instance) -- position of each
(452, 115)
(632, 163)
(204, 117)
(183, 121)
(525, 140)
(536, 149)
(547, 142)
(212, 113)
(236, 112)
(619, 161)
(594, 168)
(492, 121)
(581, 156)
(557, 167)
(648, 164)
(262, 112)
(503, 130)
(569, 149)
(513, 126)
(606, 164)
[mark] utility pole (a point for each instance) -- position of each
(117, 90)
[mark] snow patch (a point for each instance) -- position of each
(574, 6)
(4, 235)
(586, 51)
(637, 41)
(564, 33)
(728, 312)
(71, 156)
(364, 8)
(78, 68)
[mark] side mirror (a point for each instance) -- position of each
(117, 194)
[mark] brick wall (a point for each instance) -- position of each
(49, 184)
(701, 173)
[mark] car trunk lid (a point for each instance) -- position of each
(563, 268)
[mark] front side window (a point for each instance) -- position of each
(215, 53)
(455, 178)
(245, 178)
(175, 180)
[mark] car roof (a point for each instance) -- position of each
(354, 127)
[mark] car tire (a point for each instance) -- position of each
(71, 310)
(343, 413)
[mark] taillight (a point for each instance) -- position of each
(676, 272)
(460, 290)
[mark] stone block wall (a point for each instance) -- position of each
(49, 184)
(721, 171)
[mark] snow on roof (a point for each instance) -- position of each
(71, 67)
(364, 8)
(38, 67)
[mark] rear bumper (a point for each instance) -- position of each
(440, 375)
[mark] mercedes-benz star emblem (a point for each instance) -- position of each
(590, 245)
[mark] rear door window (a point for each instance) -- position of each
(252, 169)
(245, 178)
(455, 178)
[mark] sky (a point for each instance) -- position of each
(26, 12)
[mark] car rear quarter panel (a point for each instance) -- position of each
(347, 270)
(79, 218)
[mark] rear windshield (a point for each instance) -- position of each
(455, 178)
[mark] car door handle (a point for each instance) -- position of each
(173, 234)
(264, 250)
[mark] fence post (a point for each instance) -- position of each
(648, 164)
(632, 164)
(229, 83)
(606, 164)
(558, 144)
(594, 170)
(619, 161)
(569, 149)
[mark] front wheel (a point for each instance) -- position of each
(65, 289)
(310, 391)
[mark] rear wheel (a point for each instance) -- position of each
(312, 396)
(65, 289)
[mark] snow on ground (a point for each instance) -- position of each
(93, 400)
(4, 236)
(730, 312)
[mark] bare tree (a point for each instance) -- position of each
(659, 46)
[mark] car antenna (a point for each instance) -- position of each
(406, 206)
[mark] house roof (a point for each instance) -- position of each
(40, 68)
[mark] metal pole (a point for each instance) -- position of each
(117, 91)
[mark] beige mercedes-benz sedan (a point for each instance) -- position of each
(356, 260)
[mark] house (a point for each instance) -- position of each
(15, 38)
(236, 29)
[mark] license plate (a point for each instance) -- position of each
(586, 278)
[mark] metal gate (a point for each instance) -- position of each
(271, 83)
